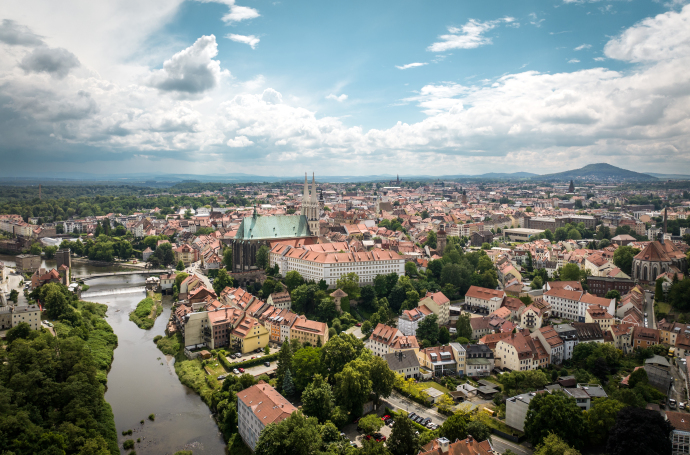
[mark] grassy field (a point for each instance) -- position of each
(664, 307)
(192, 374)
(425, 385)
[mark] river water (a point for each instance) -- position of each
(142, 382)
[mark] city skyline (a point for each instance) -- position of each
(271, 88)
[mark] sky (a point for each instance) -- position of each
(343, 88)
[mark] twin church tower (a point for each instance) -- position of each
(310, 205)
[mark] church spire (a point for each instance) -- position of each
(313, 188)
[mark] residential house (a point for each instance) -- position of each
(404, 363)
(552, 342)
(644, 337)
(588, 332)
(622, 337)
(483, 299)
(469, 446)
(584, 394)
(568, 334)
(600, 316)
(439, 304)
(479, 360)
(280, 300)
(410, 319)
(249, 335)
(680, 435)
(439, 360)
(308, 331)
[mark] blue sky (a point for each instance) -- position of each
(340, 88)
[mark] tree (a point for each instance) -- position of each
(366, 327)
(537, 283)
(21, 330)
(317, 399)
(553, 445)
(289, 389)
(339, 351)
(445, 403)
(353, 386)
(463, 327)
(14, 295)
(679, 295)
(293, 280)
(165, 254)
(284, 364)
(623, 258)
(639, 376)
(428, 329)
(431, 240)
(180, 266)
(371, 447)
(262, 257)
(574, 234)
(403, 440)
(180, 278)
(601, 417)
(297, 435)
(443, 335)
(570, 272)
(55, 302)
(613, 294)
(659, 290)
(50, 251)
(306, 363)
(227, 258)
(370, 424)
(555, 413)
(222, 281)
(367, 296)
(350, 285)
(410, 269)
(479, 430)
(35, 249)
(639, 431)
(455, 427)
(382, 378)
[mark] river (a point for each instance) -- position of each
(142, 382)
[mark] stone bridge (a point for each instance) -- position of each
(106, 274)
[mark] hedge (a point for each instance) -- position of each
(248, 363)
(415, 398)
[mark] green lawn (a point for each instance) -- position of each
(664, 307)
(432, 384)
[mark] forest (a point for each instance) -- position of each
(52, 388)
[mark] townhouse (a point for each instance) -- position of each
(439, 304)
(257, 407)
(385, 339)
(483, 299)
(410, 319)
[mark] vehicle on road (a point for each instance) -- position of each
(391, 423)
(242, 370)
(359, 324)
(221, 377)
(267, 364)
(672, 403)
(681, 405)
(386, 417)
(236, 371)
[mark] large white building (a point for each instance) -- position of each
(489, 300)
(410, 319)
(257, 407)
(321, 262)
(573, 304)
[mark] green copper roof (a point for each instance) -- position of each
(273, 227)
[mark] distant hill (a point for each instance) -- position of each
(670, 176)
(598, 171)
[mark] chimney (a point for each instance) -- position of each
(443, 444)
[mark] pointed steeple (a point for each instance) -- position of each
(313, 188)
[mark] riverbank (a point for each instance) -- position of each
(144, 316)
(68, 403)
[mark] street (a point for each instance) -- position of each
(398, 401)
(649, 309)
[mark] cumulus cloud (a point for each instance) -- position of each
(654, 39)
(237, 13)
(251, 40)
(468, 36)
(583, 46)
(191, 71)
(56, 62)
(573, 60)
(410, 65)
(16, 34)
(338, 98)
(239, 141)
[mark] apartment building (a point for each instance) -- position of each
(307, 331)
(257, 407)
(439, 304)
(410, 319)
(386, 339)
(489, 300)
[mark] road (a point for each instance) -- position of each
(398, 401)
(649, 309)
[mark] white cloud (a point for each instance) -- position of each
(654, 39)
(237, 13)
(410, 65)
(583, 46)
(599, 59)
(573, 60)
(251, 40)
(534, 20)
(192, 70)
(239, 141)
(469, 36)
(338, 98)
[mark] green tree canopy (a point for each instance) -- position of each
(639, 431)
(349, 284)
(262, 257)
(428, 330)
(623, 258)
(403, 440)
(318, 400)
(297, 435)
(370, 423)
(554, 445)
(570, 272)
(555, 413)
(600, 419)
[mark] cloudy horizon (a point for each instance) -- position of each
(273, 88)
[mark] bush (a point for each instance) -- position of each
(156, 338)
(140, 316)
(126, 432)
(171, 345)
(128, 444)
(152, 417)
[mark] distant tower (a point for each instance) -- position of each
(441, 240)
(310, 205)
(464, 197)
(663, 232)
(571, 188)
(397, 180)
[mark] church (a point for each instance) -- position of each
(258, 230)
(659, 256)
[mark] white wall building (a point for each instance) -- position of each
(257, 407)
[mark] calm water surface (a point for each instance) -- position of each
(142, 382)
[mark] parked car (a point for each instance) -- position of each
(236, 371)
(426, 421)
(267, 364)
(359, 324)
(391, 423)
(221, 377)
(672, 403)
(411, 415)
(253, 357)
(242, 370)
(386, 417)
(681, 405)
(378, 437)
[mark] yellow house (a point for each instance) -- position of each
(600, 316)
(439, 304)
(249, 335)
(307, 331)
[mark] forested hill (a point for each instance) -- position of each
(598, 171)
